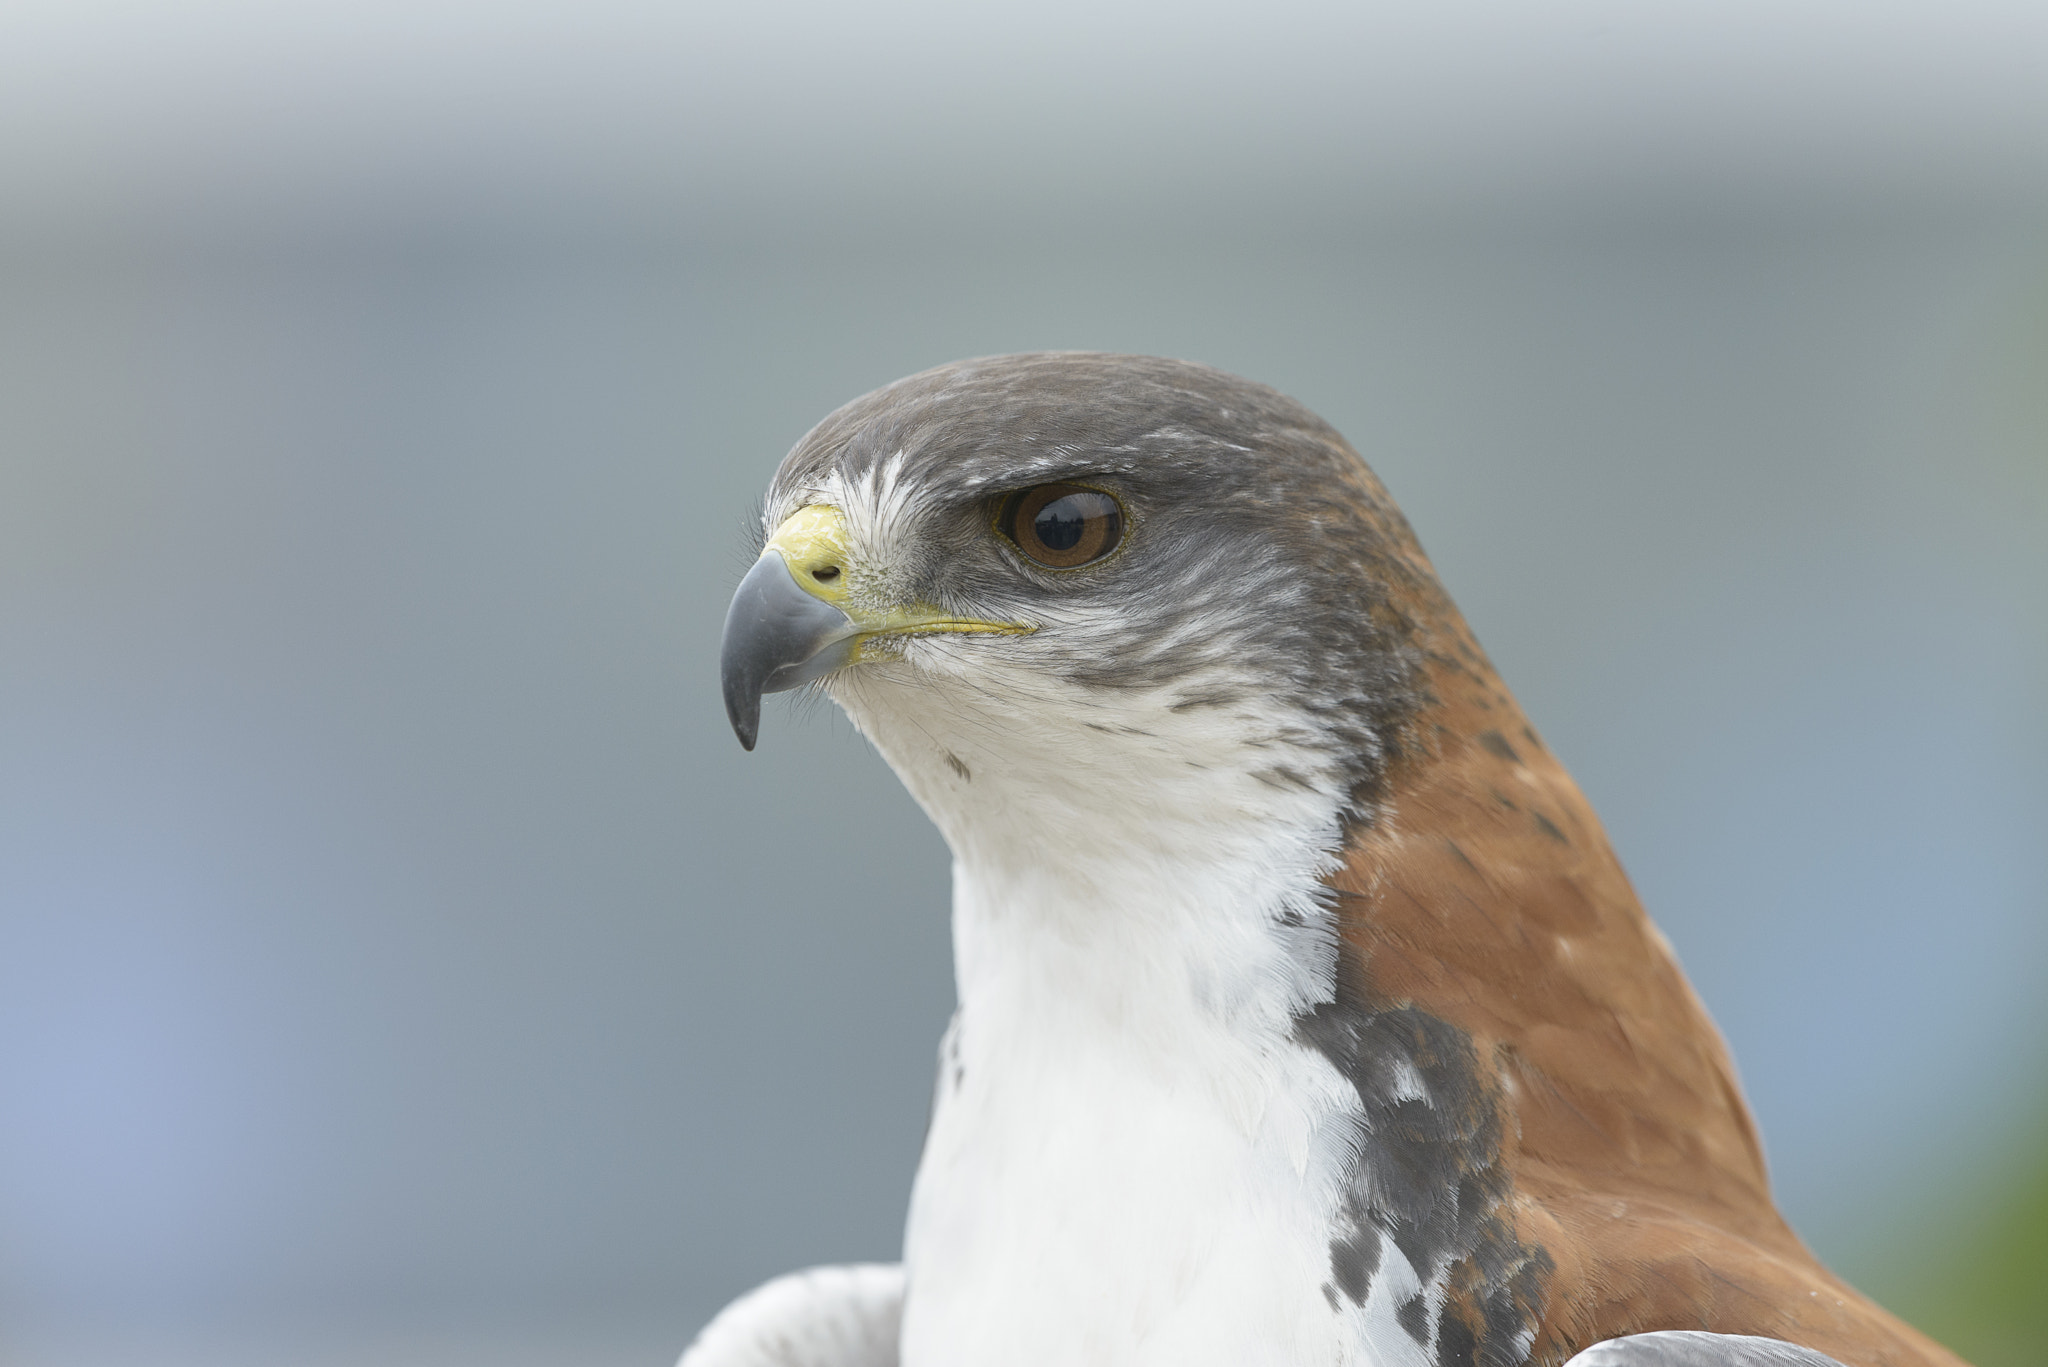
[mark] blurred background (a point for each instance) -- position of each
(399, 960)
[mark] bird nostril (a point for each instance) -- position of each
(826, 575)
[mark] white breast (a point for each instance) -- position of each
(1126, 1169)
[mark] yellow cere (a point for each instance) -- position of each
(812, 541)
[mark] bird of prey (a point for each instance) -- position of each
(1306, 1018)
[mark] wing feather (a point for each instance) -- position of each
(1690, 1348)
(844, 1316)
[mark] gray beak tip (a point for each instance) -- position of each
(745, 724)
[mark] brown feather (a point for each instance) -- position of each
(1482, 891)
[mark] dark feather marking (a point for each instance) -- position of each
(1214, 697)
(1354, 1258)
(1497, 744)
(1429, 1174)
(1549, 828)
(1456, 1344)
(1413, 1315)
(959, 766)
(1281, 777)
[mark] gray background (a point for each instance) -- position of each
(399, 960)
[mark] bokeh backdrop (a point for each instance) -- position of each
(399, 960)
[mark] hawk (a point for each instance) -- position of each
(1306, 1017)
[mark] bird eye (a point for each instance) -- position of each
(1061, 525)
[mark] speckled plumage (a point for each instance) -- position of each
(1306, 1016)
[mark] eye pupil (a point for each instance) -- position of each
(1061, 526)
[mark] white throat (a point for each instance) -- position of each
(1132, 1159)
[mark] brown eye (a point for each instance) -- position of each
(1061, 525)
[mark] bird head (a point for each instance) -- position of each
(1088, 584)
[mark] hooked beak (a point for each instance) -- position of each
(792, 618)
(776, 637)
